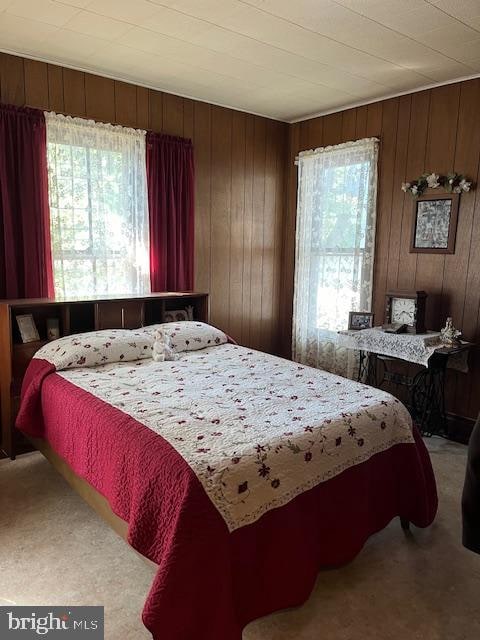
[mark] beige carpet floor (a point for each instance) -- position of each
(55, 550)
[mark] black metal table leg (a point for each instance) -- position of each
(427, 397)
(367, 368)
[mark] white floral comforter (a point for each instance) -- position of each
(257, 430)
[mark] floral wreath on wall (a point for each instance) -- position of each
(453, 182)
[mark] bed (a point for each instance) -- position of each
(239, 474)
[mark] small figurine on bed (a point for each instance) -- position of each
(450, 336)
(161, 347)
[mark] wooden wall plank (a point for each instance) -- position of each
(12, 79)
(74, 92)
(315, 133)
(221, 163)
(55, 89)
(188, 118)
(332, 129)
(258, 231)
(172, 114)
(349, 124)
(99, 98)
(143, 108)
(374, 119)
(248, 231)
(395, 220)
(304, 135)
(288, 247)
(125, 96)
(156, 110)
(281, 196)
(417, 141)
(36, 84)
(384, 205)
(361, 123)
(237, 219)
(268, 320)
(203, 174)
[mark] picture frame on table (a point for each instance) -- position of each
(434, 223)
(28, 328)
(358, 320)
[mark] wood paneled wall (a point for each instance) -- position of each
(240, 177)
(436, 130)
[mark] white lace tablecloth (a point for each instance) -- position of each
(417, 348)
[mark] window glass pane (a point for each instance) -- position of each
(335, 245)
(98, 204)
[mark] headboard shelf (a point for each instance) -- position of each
(74, 315)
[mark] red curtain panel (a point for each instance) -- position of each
(25, 251)
(170, 178)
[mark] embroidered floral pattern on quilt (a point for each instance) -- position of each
(257, 430)
(97, 347)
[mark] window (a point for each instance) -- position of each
(334, 248)
(98, 208)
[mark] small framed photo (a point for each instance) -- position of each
(434, 224)
(27, 328)
(53, 328)
(176, 315)
(358, 320)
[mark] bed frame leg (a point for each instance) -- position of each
(405, 524)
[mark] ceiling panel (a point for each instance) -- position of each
(280, 58)
(461, 9)
(42, 10)
(97, 26)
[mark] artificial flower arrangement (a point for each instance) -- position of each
(453, 182)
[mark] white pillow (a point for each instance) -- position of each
(97, 347)
(190, 335)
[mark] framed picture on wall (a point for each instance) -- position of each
(434, 223)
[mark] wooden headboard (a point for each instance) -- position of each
(73, 316)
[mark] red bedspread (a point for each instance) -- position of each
(210, 583)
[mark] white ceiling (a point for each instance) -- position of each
(286, 59)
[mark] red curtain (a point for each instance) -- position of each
(25, 251)
(170, 179)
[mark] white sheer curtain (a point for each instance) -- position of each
(335, 243)
(98, 207)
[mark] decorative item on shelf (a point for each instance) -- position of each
(453, 183)
(176, 315)
(27, 327)
(450, 336)
(53, 328)
(360, 320)
(434, 223)
(406, 308)
(189, 310)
